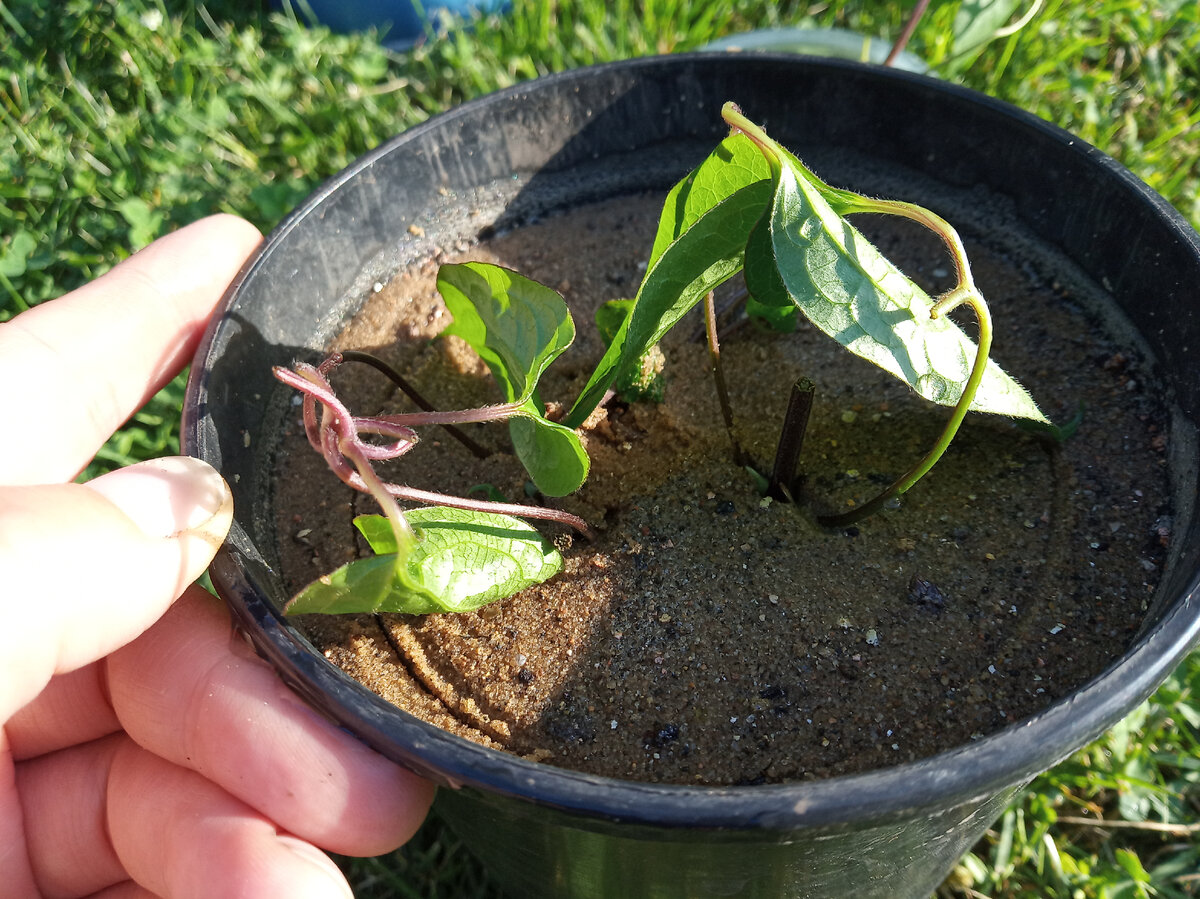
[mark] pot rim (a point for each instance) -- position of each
(959, 775)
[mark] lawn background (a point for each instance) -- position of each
(120, 121)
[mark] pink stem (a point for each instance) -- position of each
(337, 438)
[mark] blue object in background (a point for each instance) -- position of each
(401, 22)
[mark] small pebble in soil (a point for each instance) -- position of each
(926, 595)
(668, 733)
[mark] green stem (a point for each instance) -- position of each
(963, 294)
(847, 203)
(732, 114)
(17, 299)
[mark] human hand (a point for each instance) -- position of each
(144, 749)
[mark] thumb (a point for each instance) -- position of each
(85, 568)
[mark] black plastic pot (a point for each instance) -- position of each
(594, 133)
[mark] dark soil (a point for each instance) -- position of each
(710, 635)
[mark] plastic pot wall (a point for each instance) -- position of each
(596, 133)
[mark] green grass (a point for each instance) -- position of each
(122, 120)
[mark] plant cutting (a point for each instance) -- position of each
(590, 144)
(752, 206)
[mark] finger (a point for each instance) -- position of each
(64, 798)
(181, 836)
(16, 875)
(72, 709)
(101, 351)
(193, 693)
(126, 890)
(88, 567)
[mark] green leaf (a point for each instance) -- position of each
(849, 290)
(272, 200)
(1132, 865)
(734, 164)
(518, 327)
(552, 453)
(642, 382)
(976, 24)
(144, 222)
(769, 300)
(610, 318)
(367, 585)
(781, 319)
(14, 258)
(460, 561)
(703, 257)
(699, 244)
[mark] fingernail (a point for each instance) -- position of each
(318, 859)
(170, 497)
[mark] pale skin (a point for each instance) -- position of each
(145, 750)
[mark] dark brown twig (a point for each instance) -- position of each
(791, 439)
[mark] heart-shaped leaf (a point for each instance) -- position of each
(461, 560)
(518, 327)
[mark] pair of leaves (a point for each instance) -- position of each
(759, 207)
(461, 560)
(518, 327)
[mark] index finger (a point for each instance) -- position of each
(74, 369)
